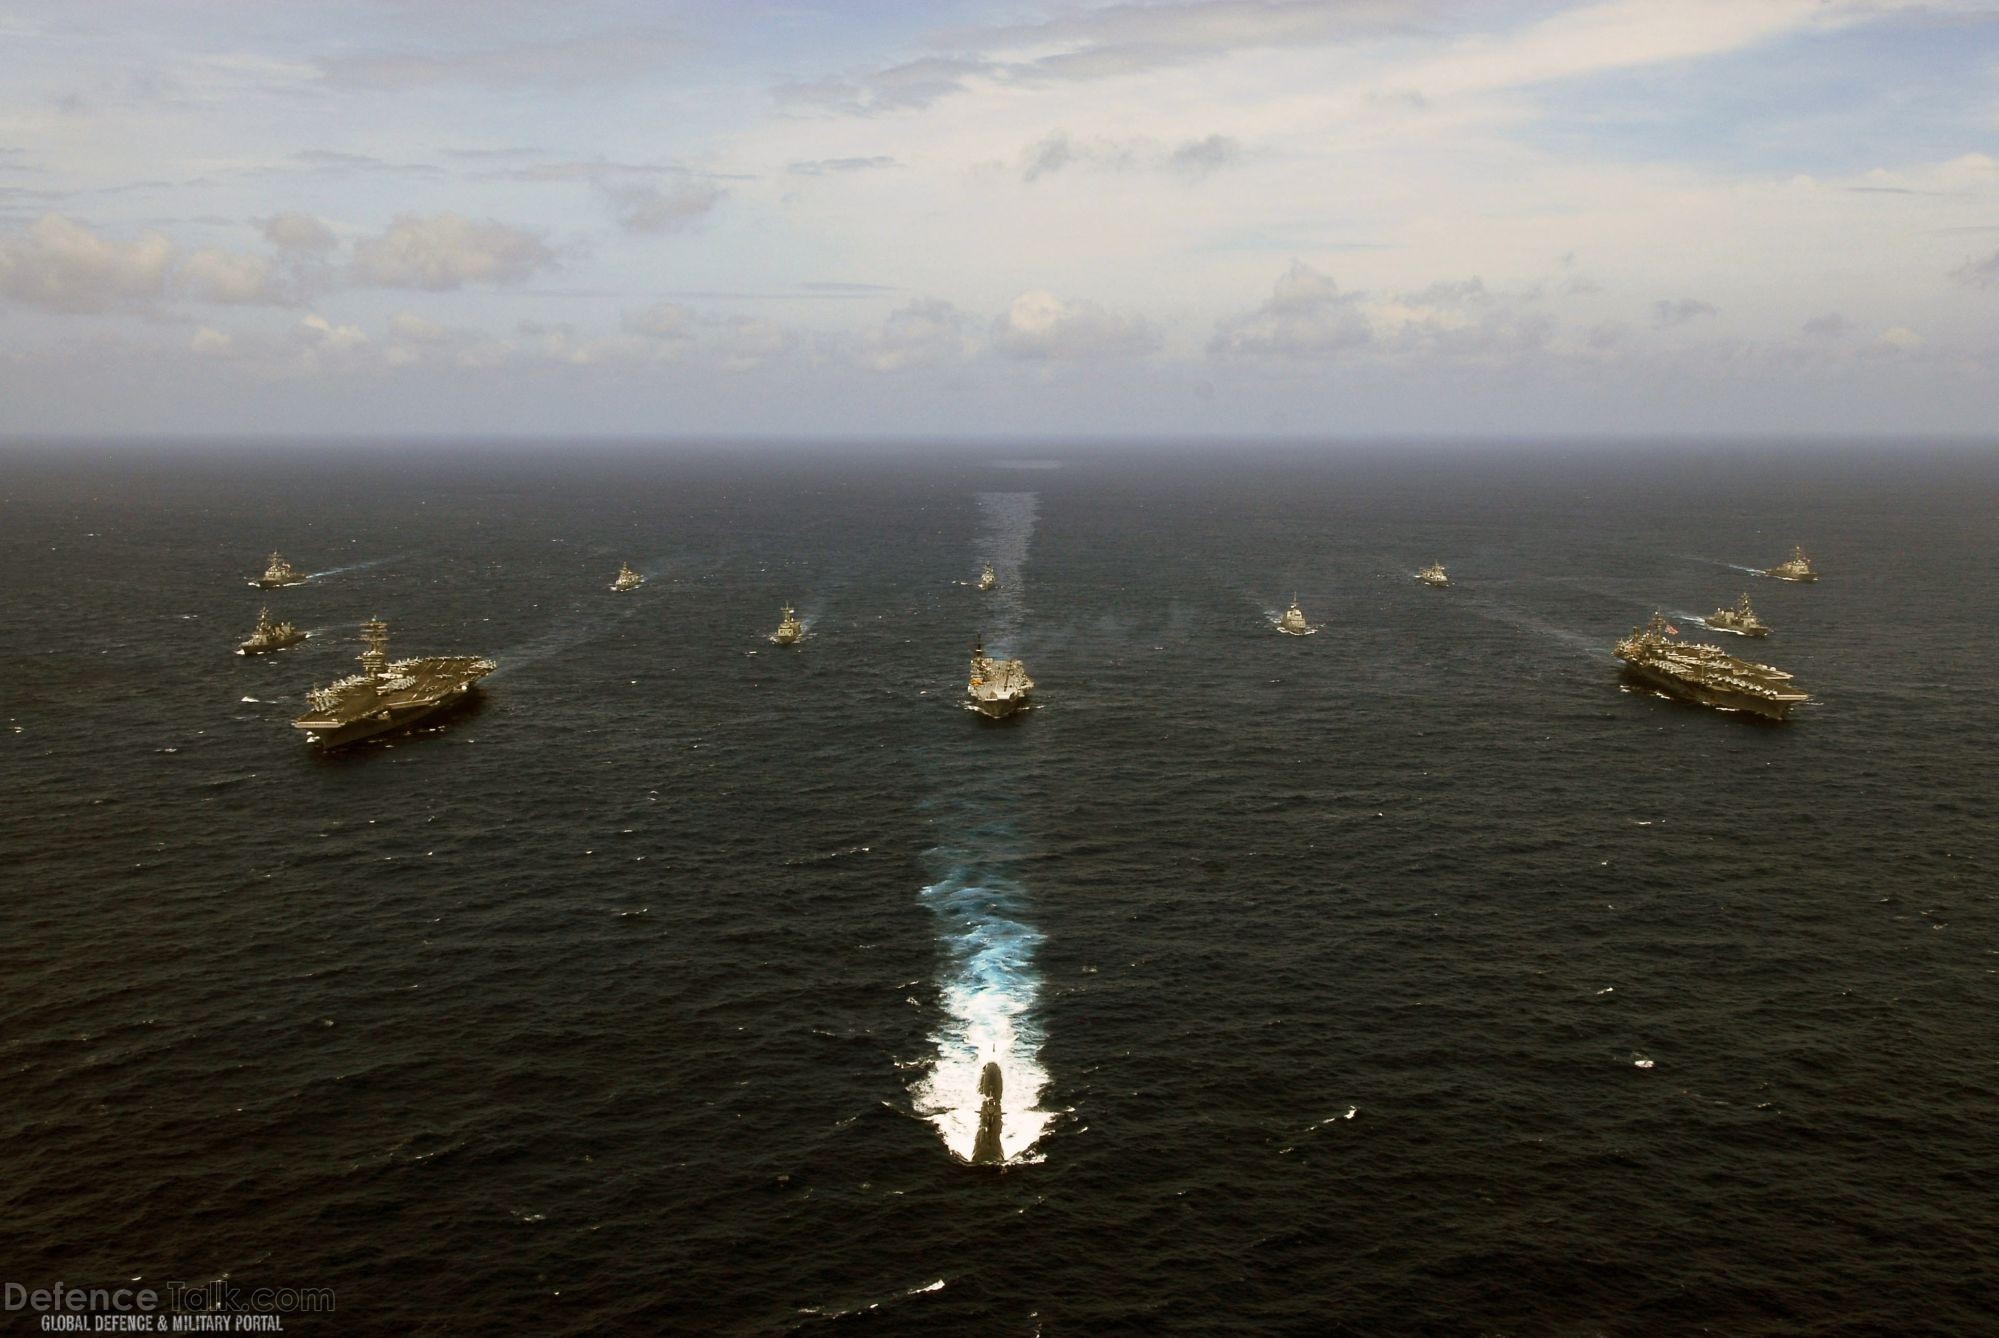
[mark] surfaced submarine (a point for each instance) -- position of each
(986, 1150)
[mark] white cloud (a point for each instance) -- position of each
(1040, 326)
(668, 322)
(650, 209)
(228, 278)
(58, 264)
(750, 341)
(212, 343)
(298, 232)
(1898, 339)
(414, 329)
(316, 332)
(1307, 316)
(925, 333)
(563, 63)
(445, 251)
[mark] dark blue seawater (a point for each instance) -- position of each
(1414, 977)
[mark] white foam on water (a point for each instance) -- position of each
(989, 997)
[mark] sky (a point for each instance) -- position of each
(865, 219)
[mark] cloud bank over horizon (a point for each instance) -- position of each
(1214, 217)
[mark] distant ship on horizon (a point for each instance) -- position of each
(1292, 622)
(627, 579)
(988, 578)
(1433, 575)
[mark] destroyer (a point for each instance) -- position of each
(270, 636)
(1705, 674)
(996, 687)
(385, 695)
(627, 579)
(988, 578)
(1433, 575)
(280, 572)
(1796, 567)
(789, 629)
(1741, 620)
(1293, 622)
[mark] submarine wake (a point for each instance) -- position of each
(983, 1089)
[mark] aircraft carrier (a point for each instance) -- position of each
(996, 688)
(387, 695)
(1705, 674)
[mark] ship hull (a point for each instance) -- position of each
(388, 720)
(261, 584)
(1802, 578)
(997, 708)
(1737, 631)
(1707, 696)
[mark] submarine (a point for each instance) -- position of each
(986, 1150)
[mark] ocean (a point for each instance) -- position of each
(1418, 976)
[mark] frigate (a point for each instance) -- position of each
(627, 579)
(1293, 622)
(387, 695)
(996, 688)
(1741, 619)
(1433, 575)
(1796, 567)
(789, 629)
(988, 578)
(1705, 674)
(279, 572)
(270, 636)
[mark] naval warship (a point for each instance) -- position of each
(279, 572)
(627, 579)
(986, 1147)
(1433, 575)
(789, 629)
(996, 687)
(270, 636)
(1705, 674)
(1796, 567)
(1293, 622)
(1741, 619)
(988, 578)
(387, 695)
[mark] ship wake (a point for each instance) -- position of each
(357, 566)
(991, 991)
